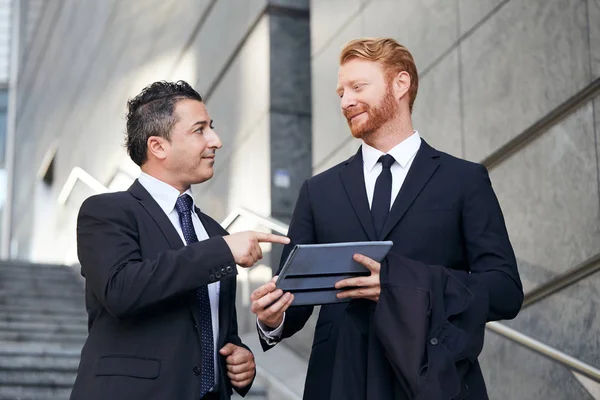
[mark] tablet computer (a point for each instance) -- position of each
(311, 270)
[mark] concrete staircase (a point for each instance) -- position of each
(42, 329)
(43, 326)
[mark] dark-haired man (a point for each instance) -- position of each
(160, 274)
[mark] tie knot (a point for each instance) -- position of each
(387, 160)
(184, 204)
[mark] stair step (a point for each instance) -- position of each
(27, 264)
(53, 327)
(35, 272)
(16, 279)
(36, 378)
(45, 309)
(33, 296)
(32, 266)
(39, 278)
(40, 363)
(45, 283)
(44, 318)
(77, 338)
(72, 303)
(8, 348)
(32, 292)
(34, 393)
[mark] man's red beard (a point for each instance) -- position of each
(376, 116)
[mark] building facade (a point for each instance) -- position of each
(513, 84)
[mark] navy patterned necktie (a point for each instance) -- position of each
(185, 210)
(382, 195)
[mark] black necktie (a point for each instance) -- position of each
(382, 195)
(207, 380)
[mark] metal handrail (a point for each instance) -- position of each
(271, 223)
(546, 351)
(511, 334)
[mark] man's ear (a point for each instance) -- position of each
(158, 147)
(401, 84)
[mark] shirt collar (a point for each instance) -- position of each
(163, 193)
(403, 152)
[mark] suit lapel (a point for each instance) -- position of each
(157, 214)
(424, 165)
(167, 229)
(353, 179)
(212, 229)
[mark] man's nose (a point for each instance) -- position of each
(348, 101)
(215, 141)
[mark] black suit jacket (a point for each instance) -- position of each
(446, 214)
(144, 337)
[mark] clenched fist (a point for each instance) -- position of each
(245, 246)
(241, 368)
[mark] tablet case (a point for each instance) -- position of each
(311, 270)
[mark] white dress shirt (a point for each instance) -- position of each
(404, 153)
(166, 197)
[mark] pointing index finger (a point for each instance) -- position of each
(271, 238)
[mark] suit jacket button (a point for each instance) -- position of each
(217, 274)
(196, 370)
(229, 269)
(433, 341)
(224, 271)
(211, 277)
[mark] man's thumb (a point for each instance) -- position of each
(227, 350)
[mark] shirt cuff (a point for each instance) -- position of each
(271, 336)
